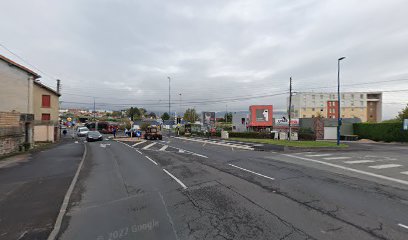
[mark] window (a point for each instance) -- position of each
(321, 96)
(313, 116)
(362, 96)
(352, 96)
(46, 101)
(362, 103)
(233, 127)
(313, 96)
(242, 120)
(45, 117)
(313, 109)
(304, 116)
(304, 109)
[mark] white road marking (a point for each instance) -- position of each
(350, 169)
(102, 145)
(252, 172)
(139, 151)
(164, 147)
(76, 141)
(245, 147)
(402, 225)
(148, 146)
(406, 173)
(358, 161)
(181, 151)
(151, 160)
(336, 158)
(138, 143)
(177, 180)
(385, 166)
(318, 155)
(196, 154)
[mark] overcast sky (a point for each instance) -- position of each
(122, 51)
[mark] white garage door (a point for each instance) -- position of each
(330, 133)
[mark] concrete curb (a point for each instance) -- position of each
(63, 209)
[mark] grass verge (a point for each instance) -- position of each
(304, 144)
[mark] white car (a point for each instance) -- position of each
(82, 131)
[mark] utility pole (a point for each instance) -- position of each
(169, 109)
(226, 113)
(180, 105)
(338, 99)
(58, 86)
(290, 106)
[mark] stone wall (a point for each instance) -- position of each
(12, 134)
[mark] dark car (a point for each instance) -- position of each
(94, 136)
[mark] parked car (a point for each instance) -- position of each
(82, 131)
(94, 136)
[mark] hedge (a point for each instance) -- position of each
(250, 135)
(386, 131)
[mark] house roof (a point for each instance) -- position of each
(47, 88)
(21, 67)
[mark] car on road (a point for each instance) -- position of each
(94, 136)
(153, 133)
(82, 131)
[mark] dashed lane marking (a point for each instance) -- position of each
(406, 173)
(151, 160)
(402, 225)
(359, 161)
(232, 165)
(177, 180)
(385, 166)
(150, 145)
(139, 151)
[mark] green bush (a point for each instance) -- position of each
(388, 131)
(306, 134)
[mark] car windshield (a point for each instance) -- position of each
(83, 129)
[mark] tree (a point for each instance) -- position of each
(191, 115)
(135, 113)
(165, 116)
(403, 114)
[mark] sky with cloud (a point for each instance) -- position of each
(218, 54)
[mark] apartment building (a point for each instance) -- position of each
(366, 106)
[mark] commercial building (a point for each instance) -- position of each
(367, 106)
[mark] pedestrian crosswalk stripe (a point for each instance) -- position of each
(385, 166)
(164, 148)
(138, 143)
(318, 155)
(358, 161)
(148, 146)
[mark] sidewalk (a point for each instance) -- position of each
(32, 188)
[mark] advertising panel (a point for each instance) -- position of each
(208, 118)
(261, 116)
(405, 124)
(285, 122)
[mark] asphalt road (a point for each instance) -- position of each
(179, 189)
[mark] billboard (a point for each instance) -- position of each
(208, 118)
(405, 124)
(261, 116)
(285, 122)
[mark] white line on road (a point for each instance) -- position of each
(406, 173)
(196, 154)
(385, 166)
(350, 169)
(139, 151)
(252, 172)
(164, 147)
(318, 155)
(181, 151)
(138, 143)
(402, 225)
(177, 180)
(148, 146)
(336, 158)
(358, 161)
(151, 160)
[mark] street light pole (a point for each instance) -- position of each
(290, 107)
(338, 101)
(169, 109)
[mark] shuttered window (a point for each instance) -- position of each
(46, 117)
(46, 101)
